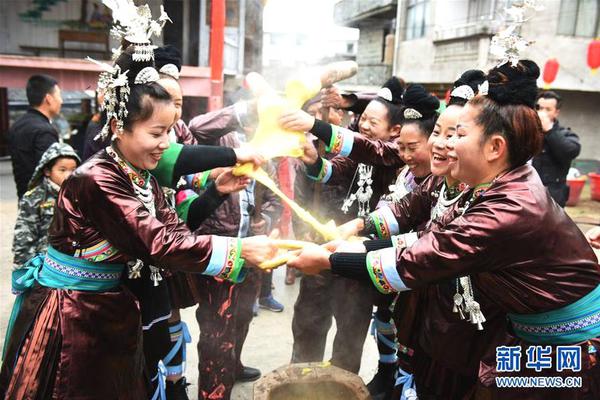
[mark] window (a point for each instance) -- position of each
(578, 18)
(416, 18)
(480, 10)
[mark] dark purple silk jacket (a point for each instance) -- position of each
(524, 256)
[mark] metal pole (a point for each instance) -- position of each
(217, 39)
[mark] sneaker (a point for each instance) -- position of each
(177, 390)
(269, 303)
(247, 374)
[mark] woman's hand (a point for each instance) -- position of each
(312, 260)
(310, 154)
(351, 228)
(227, 183)
(593, 236)
(298, 121)
(331, 97)
(256, 249)
(346, 246)
(247, 154)
(352, 246)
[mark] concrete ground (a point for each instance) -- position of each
(269, 343)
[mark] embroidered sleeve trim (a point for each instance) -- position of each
(225, 261)
(324, 174)
(381, 265)
(342, 141)
(405, 240)
(385, 222)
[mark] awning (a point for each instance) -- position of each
(77, 74)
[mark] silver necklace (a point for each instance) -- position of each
(464, 298)
(443, 204)
(363, 192)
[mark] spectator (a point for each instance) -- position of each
(36, 208)
(32, 134)
(561, 146)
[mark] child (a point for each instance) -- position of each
(36, 208)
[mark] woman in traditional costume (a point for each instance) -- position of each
(427, 360)
(505, 248)
(165, 335)
(73, 309)
(381, 154)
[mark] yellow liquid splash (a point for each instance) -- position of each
(329, 231)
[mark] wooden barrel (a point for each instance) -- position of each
(310, 381)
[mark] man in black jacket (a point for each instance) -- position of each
(32, 134)
(561, 146)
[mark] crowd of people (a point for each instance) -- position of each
(456, 248)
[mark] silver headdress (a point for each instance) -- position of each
(171, 70)
(114, 86)
(463, 92)
(467, 93)
(146, 75)
(411, 113)
(484, 88)
(507, 44)
(385, 93)
(135, 24)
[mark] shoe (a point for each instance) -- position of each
(290, 276)
(177, 390)
(382, 384)
(247, 374)
(269, 303)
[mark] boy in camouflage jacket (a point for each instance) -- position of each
(36, 208)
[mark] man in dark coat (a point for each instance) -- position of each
(561, 146)
(32, 134)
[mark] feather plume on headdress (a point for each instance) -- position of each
(135, 25)
(508, 44)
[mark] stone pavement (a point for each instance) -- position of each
(269, 343)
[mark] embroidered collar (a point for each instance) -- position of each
(454, 190)
(138, 177)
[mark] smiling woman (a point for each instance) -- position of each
(146, 135)
(495, 254)
(111, 219)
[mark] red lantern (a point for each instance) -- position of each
(550, 71)
(593, 56)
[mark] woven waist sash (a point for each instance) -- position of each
(570, 324)
(61, 271)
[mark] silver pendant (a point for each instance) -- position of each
(155, 275)
(135, 269)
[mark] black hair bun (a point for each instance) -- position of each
(167, 54)
(514, 85)
(396, 87)
(126, 63)
(418, 98)
(471, 78)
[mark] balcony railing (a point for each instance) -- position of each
(483, 27)
(350, 12)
